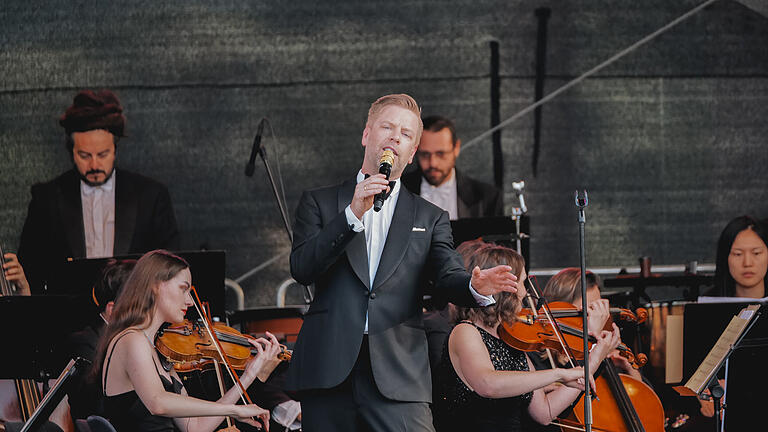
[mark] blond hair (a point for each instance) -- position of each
(565, 286)
(402, 100)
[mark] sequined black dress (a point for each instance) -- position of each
(458, 408)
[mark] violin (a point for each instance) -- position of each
(534, 332)
(565, 310)
(188, 346)
(209, 343)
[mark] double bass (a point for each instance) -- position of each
(18, 397)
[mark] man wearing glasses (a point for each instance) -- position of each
(438, 181)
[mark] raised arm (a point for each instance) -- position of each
(545, 407)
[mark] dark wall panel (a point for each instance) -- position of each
(670, 140)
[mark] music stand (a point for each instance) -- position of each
(703, 324)
(497, 229)
(55, 395)
(75, 277)
(34, 326)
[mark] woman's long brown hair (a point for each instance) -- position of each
(134, 306)
(507, 304)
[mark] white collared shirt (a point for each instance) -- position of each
(376, 226)
(444, 196)
(99, 218)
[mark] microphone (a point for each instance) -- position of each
(385, 167)
(518, 188)
(250, 167)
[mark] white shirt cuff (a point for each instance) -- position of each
(479, 298)
(357, 224)
(286, 413)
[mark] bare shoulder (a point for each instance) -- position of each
(129, 343)
(464, 335)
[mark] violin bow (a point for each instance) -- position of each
(555, 326)
(217, 367)
(243, 394)
(535, 313)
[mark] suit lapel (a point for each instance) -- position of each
(71, 208)
(126, 206)
(357, 253)
(398, 237)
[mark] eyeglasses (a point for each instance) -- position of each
(425, 156)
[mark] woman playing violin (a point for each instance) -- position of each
(565, 286)
(486, 385)
(142, 395)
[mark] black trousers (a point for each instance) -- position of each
(357, 405)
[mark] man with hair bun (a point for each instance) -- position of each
(95, 209)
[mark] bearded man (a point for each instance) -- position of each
(95, 209)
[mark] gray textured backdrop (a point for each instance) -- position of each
(670, 141)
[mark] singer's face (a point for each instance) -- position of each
(393, 128)
(748, 260)
(437, 155)
(94, 155)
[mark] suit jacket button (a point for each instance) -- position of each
(373, 295)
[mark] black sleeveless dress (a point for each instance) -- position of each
(127, 412)
(458, 408)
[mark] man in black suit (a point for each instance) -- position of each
(438, 181)
(85, 393)
(94, 210)
(360, 361)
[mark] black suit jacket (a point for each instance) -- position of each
(475, 198)
(85, 392)
(327, 252)
(53, 230)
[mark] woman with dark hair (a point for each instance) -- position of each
(742, 259)
(741, 268)
(486, 385)
(141, 392)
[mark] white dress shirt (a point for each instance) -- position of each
(99, 218)
(376, 227)
(444, 196)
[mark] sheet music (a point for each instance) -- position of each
(706, 299)
(717, 354)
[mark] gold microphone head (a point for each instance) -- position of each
(388, 157)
